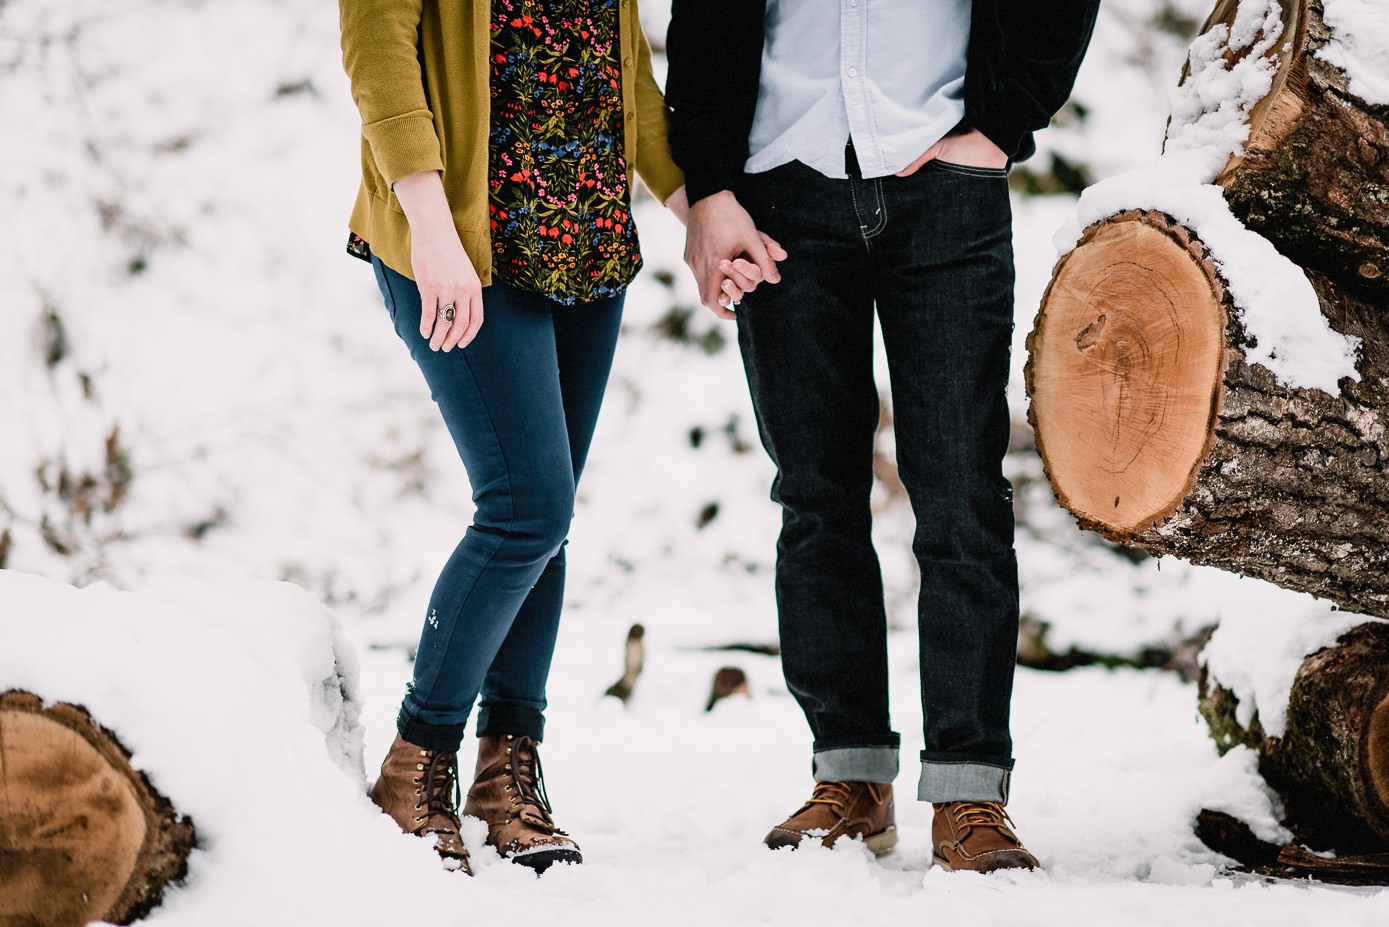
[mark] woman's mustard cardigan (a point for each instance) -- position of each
(421, 77)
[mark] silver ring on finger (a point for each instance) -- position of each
(446, 312)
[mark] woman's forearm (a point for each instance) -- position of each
(422, 197)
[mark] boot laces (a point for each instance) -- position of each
(528, 778)
(440, 791)
(970, 814)
(838, 795)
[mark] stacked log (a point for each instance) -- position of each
(1331, 763)
(1160, 427)
(1156, 428)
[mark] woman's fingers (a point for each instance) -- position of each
(429, 304)
(465, 324)
(744, 274)
(445, 320)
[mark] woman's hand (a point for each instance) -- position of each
(971, 149)
(450, 291)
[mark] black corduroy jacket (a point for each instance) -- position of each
(1023, 59)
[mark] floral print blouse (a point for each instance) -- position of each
(558, 180)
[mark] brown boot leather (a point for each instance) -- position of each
(508, 794)
(418, 788)
(975, 836)
(841, 809)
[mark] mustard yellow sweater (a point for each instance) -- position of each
(420, 76)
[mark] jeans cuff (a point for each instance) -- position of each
(443, 738)
(494, 720)
(944, 781)
(855, 764)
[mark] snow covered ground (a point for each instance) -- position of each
(199, 390)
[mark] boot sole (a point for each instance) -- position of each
(541, 860)
(881, 842)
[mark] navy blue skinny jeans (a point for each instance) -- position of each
(520, 402)
(932, 254)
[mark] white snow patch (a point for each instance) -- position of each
(1210, 109)
(1256, 653)
(239, 701)
(1360, 46)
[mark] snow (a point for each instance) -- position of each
(1359, 46)
(1256, 655)
(1276, 303)
(176, 194)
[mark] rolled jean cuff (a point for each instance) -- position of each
(442, 738)
(856, 764)
(947, 781)
(493, 721)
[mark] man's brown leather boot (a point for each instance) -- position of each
(975, 836)
(841, 809)
(418, 788)
(508, 794)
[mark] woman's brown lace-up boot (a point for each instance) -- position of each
(418, 788)
(508, 793)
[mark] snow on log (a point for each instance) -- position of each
(1312, 175)
(1193, 390)
(1327, 752)
(236, 702)
(83, 836)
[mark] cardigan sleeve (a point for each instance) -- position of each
(653, 158)
(1041, 54)
(381, 56)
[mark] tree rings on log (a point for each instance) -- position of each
(83, 835)
(1125, 371)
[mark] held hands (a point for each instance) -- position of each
(450, 291)
(971, 149)
(727, 253)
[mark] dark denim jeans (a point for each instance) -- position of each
(933, 254)
(521, 402)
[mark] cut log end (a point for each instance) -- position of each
(1125, 371)
(1377, 751)
(83, 836)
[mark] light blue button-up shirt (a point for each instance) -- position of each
(891, 77)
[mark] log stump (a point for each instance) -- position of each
(1157, 433)
(83, 835)
(1331, 766)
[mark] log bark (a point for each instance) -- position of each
(1157, 433)
(1331, 766)
(83, 835)
(1314, 174)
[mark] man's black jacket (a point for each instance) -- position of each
(1023, 58)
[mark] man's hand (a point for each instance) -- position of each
(450, 291)
(972, 149)
(727, 253)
